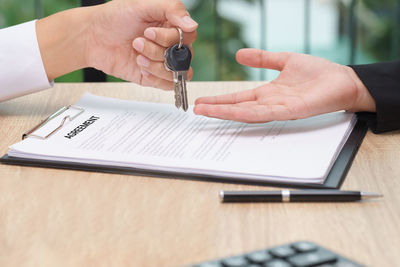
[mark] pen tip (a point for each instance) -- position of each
(367, 195)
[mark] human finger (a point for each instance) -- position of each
(149, 79)
(233, 98)
(158, 69)
(177, 15)
(258, 58)
(167, 37)
(244, 113)
(149, 49)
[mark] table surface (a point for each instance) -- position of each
(52, 217)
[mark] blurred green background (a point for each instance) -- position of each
(344, 31)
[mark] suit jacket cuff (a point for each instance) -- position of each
(383, 82)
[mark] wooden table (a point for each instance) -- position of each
(51, 217)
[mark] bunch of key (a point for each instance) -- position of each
(177, 60)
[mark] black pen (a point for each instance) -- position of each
(308, 195)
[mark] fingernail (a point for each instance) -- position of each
(143, 61)
(150, 34)
(189, 21)
(138, 44)
(145, 73)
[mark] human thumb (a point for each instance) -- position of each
(178, 16)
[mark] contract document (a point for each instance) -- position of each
(157, 137)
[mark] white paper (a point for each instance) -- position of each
(159, 137)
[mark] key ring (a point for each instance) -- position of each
(180, 37)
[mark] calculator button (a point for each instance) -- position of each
(312, 258)
(282, 251)
(296, 254)
(304, 246)
(259, 256)
(277, 263)
(237, 261)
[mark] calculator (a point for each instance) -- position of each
(296, 254)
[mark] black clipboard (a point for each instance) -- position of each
(334, 179)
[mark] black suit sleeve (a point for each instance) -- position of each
(383, 82)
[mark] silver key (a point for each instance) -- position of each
(177, 60)
(182, 77)
(177, 89)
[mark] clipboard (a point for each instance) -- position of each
(334, 179)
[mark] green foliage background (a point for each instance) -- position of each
(217, 42)
(379, 39)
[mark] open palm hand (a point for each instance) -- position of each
(306, 86)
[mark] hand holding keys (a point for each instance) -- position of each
(177, 60)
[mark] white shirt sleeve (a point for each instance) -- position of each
(21, 67)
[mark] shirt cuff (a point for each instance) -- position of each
(21, 69)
